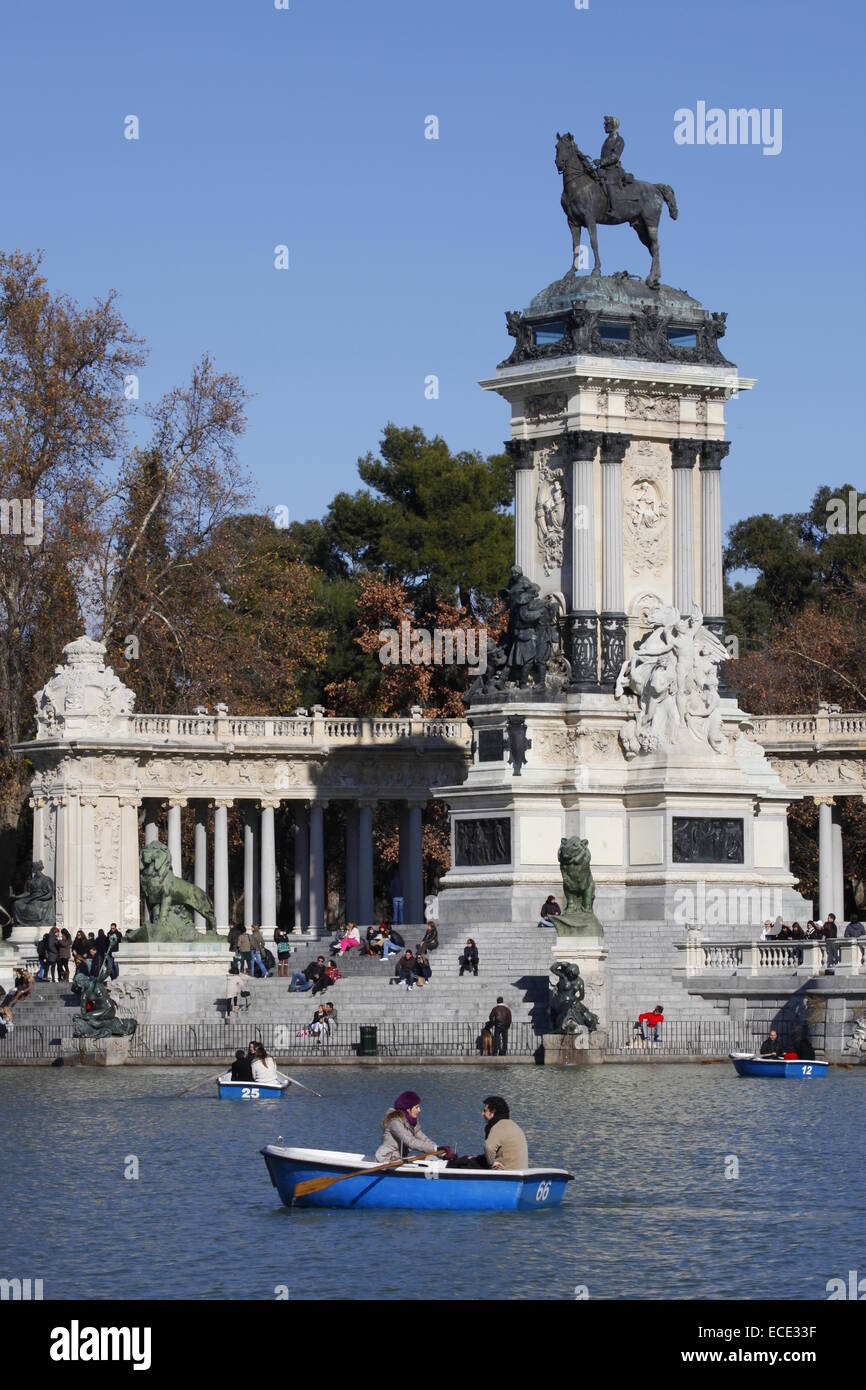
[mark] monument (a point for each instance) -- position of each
(603, 722)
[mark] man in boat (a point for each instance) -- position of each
(242, 1066)
(504, 1141)
(772, 1046)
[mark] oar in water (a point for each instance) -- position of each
(303, 1189)
(193, 1088)
(292, 1080)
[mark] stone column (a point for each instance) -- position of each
(583, 618)
(413, 882)
(524, 504)
(221, 865)
(683, 454)
(825, 854)
(151, 822)
(352, 909)
(612, 585)
(317, 865)
(268, 910)
(174, 843)
(365, 862)
(251, 848)
(302, 866)
(712, 578)
(200, 846)
(838, 889)
(130, 886)
(38, 806)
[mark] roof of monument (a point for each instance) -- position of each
(617, 296)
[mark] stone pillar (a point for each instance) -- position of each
(302, 866)
(39, 854)
(200, 847)
(583, 618)
(130, 886)
(61, 864)
(318, 905)
(352, 909)
(221, 865)
(524, 504)
(151, 822)
(613, 451)
(365, 862)
(174, 843)
(825, 854)
(251, 849)
(838, 890)
(712, 577)
(683, 454)
(413, 882)
(268, 910)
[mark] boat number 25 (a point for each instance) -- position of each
(250, 1093)
(542, 1192)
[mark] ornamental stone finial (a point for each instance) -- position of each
(83, 696)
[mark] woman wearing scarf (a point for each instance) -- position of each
(401, 1132)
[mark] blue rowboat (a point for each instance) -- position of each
(750, 1064)
(250, 1090)
(428, 1185)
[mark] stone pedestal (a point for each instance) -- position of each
(99, 1052)
(572, 1049)
(185, 958)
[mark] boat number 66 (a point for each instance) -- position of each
(542, 1192)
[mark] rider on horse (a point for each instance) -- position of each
(611, 174)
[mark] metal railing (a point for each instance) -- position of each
(686, 1038)
(162, 1042)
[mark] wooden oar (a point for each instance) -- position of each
(195, 1087)
(302, 1189)
(293, 1082)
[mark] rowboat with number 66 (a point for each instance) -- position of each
(425, 1185)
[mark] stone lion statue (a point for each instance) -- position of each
(578, 919)
(172, 899)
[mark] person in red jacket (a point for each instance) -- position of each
(651, 1022)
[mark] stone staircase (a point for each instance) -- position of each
(644, 968)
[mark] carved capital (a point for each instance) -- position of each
(684, 452)
(825, 800)
(271, 803)
(613, 447)
(224, 802)
(712, 453)
(583, 444)
(520, 452)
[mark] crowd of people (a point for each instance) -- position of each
(57, 950)
(818, 930)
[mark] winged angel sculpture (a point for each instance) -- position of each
(674, 672)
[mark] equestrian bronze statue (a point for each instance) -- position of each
(601, 192)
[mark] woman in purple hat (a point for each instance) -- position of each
(401, 1132)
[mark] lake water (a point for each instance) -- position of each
(651, 1214)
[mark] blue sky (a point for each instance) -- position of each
(306, 127)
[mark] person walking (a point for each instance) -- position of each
(500, 1017)
(52, 952)
(396, 896)
(257, 951)
(245, 947)
(284, 950)
(64, 955)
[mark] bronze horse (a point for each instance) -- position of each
(584, 202)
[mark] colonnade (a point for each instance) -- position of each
(310, 881)
(831, 869)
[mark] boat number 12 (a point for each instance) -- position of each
(807, 1071)
(250, 1093)
(543, 1192)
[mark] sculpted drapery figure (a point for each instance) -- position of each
(34, 907)
(674, 674)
